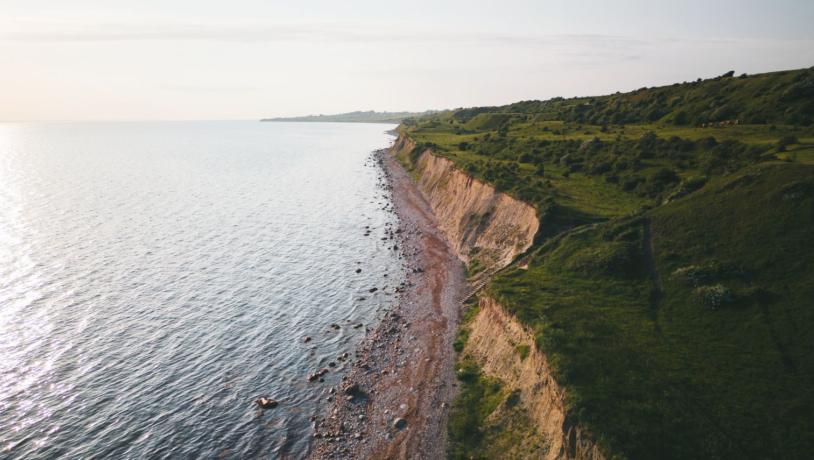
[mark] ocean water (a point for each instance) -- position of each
(155, 278)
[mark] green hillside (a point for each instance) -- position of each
(684, 332)
(778, 97)
(672, 278)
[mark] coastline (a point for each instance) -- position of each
(394, 401)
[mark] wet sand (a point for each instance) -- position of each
(394, 401)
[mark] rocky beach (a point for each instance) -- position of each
(394, 400)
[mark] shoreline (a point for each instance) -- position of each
(394, 400)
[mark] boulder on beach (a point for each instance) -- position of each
(352, 389)
(266, 403)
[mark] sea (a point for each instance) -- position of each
(156, 278)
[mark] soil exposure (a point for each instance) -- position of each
(394, 401)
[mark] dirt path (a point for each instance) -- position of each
(656, 292)
(394, 402)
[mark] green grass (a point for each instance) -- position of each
(670, 283)
(778, 97)
(651, 368)
(576, 173)
(486, 420)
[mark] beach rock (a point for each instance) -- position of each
(266, 403)
(399, 423)
(351, 389)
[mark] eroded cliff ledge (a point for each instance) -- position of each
(485, 227)
(488, 229)
(496, 339)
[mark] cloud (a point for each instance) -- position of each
(30, 31)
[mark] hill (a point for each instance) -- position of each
(670, 283)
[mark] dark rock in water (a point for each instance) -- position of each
(399, 423)
(357, 326)
(306, 339)
(332, 364)
(358, 270)
(372, 290)
(266, 403)
(334, 326)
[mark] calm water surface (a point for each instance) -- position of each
(156, 277)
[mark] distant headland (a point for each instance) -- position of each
(356, 117)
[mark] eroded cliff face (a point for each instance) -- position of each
(495, 340)
(487, 228)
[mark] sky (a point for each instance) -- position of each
(248, 59)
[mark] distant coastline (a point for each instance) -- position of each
(356, 117)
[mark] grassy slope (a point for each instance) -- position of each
(650, 367)
(486, 421)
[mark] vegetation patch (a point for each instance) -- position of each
(670, 283)
(487, 421)
(678, 375)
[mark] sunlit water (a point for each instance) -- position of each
(156, 277)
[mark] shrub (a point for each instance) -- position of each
(523, 351)
(614, 258)
(714, 296)
(785, 141)
(692, 275)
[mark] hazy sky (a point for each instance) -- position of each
(206, 59)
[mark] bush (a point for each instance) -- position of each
(614, 258)
(693, 275)
(714, 296)
(523, 351)
(785, 141)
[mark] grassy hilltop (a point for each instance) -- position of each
(672, 281)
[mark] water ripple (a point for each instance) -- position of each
(156, 277)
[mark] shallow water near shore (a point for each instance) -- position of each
(156, 277)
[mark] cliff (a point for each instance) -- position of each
(495, 341)
(486, 228)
